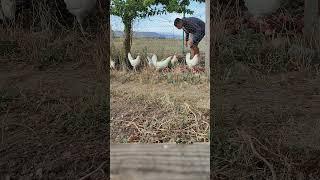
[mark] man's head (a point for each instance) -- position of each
(178, 23)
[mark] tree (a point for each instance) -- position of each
(311, 18)
(130, 10)
(207, 57)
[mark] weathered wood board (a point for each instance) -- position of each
(160, 161)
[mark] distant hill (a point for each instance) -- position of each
(149, 35)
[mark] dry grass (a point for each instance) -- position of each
(276, 114)
(158, 119)
(147, 75)
(52, 105)
(157, 107)
(52, 108)
(149, 107)
(267, 103)
(52, 98)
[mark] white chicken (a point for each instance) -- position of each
(160, 64)
(262, 7)
(8, 9)
(149, 62)
(192, 62)
(152, 61)
(174, 60)
(112, 64)
(80, 9)
(134, 62)
(1, 14)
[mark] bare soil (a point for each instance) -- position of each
(294, 97)
(280, 114)
(53, 122)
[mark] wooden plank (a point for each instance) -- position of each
(160, 161)
(207, 57)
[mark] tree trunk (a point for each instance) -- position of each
(207, 59)
(104, 29)
(103, 12)
(311, 18)
(127, 42)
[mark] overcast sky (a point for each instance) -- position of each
(160, 23)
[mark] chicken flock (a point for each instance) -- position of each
(163, 64)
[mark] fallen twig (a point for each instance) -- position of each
(246, 136)
(99, 168)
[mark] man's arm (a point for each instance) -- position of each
(187, 33)
(187, 39)
(187, 36)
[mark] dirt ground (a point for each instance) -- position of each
(280, 112)
(294, 96)
(53, 122)
(147, 112)
(281, 115)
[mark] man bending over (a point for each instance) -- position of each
(195, 27)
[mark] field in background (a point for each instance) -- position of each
(155, 107)
(163, 48)
(159, 46)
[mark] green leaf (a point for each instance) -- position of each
(130, 10)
